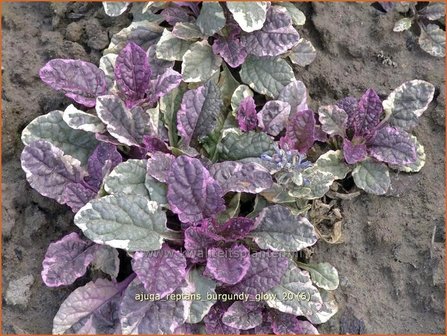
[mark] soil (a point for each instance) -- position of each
(391, 261)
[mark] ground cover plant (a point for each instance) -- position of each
(195, 190)
(427, 22)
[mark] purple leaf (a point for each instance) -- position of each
(139, 316)
(234, 228)
(101, 162)
(79, 80)
(199, 111)
(197, 242)
(76, 195)
(126, 125)
(333, 119)
(230, 47)
(132, 73)
(265, 272)
(161, 272)
(194, 6)
(320, 135)
(353, 152)
(66, 260)
(213, 321)
(295, 94)
(266, 326)
(154, 144)
(106, 260)
(368, 113)
(283, 323)
(273, 117)
(164, 84)
(172, 15)
(48, 170)
(157, 66)
(159, 165)
(386, 5)
(192, 193)
(107, 138)
(275, 37)
(392, 145)
(350, 106)
(96, 301)
(246, 115)
(188, 329)
(241, 177)
(228, 265)
(300, 131)
(243, 315)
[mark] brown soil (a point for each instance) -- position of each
(390, 266)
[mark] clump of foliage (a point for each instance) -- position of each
(192, 191)
(429, 21)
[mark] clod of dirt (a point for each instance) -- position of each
(74, 32)
(18, 292)
(97, 37)
(349, 324)
(34, 220)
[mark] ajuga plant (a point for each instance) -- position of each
(191, 190)
(429, 21)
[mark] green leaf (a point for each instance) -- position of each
(128, 178)
(298, 17)
(260, 203)
(249, 15)
(200, 63)
(211, 18)
(131, 178)
(83, 121)
(157, 190)
(106, 260)
(245, 145)
(303, 53)
(266, 75)
(295, 294)
(329, 308)
(333, 120)
(403, 24)
(333, 162)
(232, 210)
(171, 48)
(324, 275)
(278, 194)
(432, 40)
(228, 84)
(107, 65)
(318, 183)
(169, 105)
(198, 284)
(130, 222)
(407, 103)
(372, 176)
(187, 31)
(52, 128)
(144, 33)
(277, 229)
(241, 92)
(434, 11)
(418, 164)
(115, 8)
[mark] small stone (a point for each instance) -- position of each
(19, 291)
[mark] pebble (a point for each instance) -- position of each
(19, 291)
